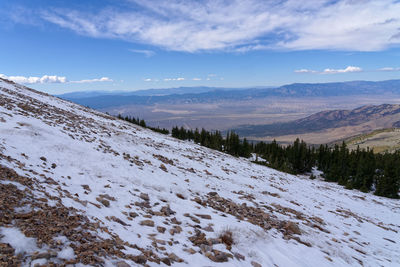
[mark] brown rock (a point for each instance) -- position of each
(166, 261)
(103, 201)
(180, 196)
(133, 214)
(147, 223)
(292, 228)
(122, 264)
(255, 264)
(144, 196)
(204, 216)
(166, 210)
(141, 259)
(161, 229)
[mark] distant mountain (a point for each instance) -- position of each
(150, 92)
(328, 123)
(184, 95)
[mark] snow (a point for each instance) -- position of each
(90, 151)
(18, 240)
(66, 253)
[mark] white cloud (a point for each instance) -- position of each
(33, 80)
(331, 71)
(147, 53)
(242, 25)
(49, 79)
(348, 69)
(196, 79)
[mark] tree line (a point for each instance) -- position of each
(359, 169)
(142, 123)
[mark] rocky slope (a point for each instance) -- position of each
(80, 187)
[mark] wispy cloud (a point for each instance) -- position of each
(331, 71)
(102, 79)
(49, 79)
(305, 71)
(179, 79)
(174, 79)
(389, 69)
(242, 25)
(147, 53)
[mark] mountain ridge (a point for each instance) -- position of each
(382, 116)
(215, 94)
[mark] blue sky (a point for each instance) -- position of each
(61, 46)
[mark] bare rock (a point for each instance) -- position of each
(144, 196)
(122, 264)
(161, 229)
(204, 216)
(167, 211)
(103, 201)
(147, 223)
(166, 261)
(292, 228)
(133, 214)
(255, 264)
(140, 259)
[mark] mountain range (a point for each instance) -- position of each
(362, 119)
(185, 95)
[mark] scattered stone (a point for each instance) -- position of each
(141, 259)
(86, 187)
(43, 158)
(255, 264)
(175, 221)
(6, 249)
(103, 201)
(162, 167)
(204, 216)
(208, 228)
(147, 223)
(144, 196)
(166, 261)
(180, 196)
(166, 210)
(292, 228)
(161, 229)
(190, 250)
(122, 264)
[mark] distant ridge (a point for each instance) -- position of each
(215, 94)
(370, 117)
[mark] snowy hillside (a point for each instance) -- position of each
(80, 187)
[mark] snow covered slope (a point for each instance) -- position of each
(80, 187)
